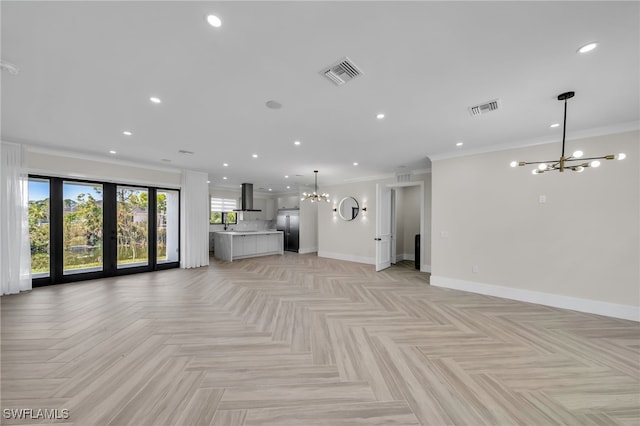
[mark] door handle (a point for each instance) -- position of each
(377, 239)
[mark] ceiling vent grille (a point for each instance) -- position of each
(485, 107)
(341, 72)
(403, 177)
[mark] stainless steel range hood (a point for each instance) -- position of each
(246, 202)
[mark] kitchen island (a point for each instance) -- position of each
(232, 245)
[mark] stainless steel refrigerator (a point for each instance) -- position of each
(288, 222)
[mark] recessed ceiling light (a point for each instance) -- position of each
(380, 116)
(355, 164)
(225, 164)
(127, 133)
(214, 21)
(255, 155)
(296, 143)
(588, 47)
(288, 187)
(286, 176)
(269, 189)
(460, 144)
(155, 100)
(224, 178)
(112, 152)
(554, 125)
(273, 104)
(208, 181)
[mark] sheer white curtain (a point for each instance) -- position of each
(194, 214)
(15, 251)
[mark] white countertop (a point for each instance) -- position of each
(247, 232)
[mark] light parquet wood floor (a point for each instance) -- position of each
(302, 340)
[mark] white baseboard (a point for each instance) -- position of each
(307, 250)
(348, 257)
(425, 268)
(614, 310)
(405, 256)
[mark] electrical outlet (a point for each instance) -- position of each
(542, 199)
(475, 269)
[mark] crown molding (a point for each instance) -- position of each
(421, 171)
(589, 133)
(93, 157)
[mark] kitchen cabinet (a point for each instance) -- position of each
(270, 209)
(230, 245)
(288, 202)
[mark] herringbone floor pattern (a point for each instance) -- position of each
(302, 340)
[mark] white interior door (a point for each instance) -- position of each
(383, 227)
(394, 228)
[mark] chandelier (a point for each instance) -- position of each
(314, 196)
(573, 162)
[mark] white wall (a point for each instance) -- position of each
(408, 219)
(308, 242)
(354, 240)
(348, 240)
(579, 247)
(40, 162)
(425, 249)
(400, 223)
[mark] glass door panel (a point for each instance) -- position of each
(82, 214)
(133, 226)
(168, 223)
(39, 227)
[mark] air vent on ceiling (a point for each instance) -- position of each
(403, 177)
(484, 107)
(342, 71)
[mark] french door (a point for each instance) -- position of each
(84, 229)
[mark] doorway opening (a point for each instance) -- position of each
(391, 207)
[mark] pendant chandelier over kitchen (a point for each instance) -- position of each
(573, 162)
(314, 196)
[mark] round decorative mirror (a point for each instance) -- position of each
(348, 208)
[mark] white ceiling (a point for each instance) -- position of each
(87, 70)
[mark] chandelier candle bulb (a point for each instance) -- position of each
(621, 156)
(578, 154)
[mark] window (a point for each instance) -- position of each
(39, 230)
(133, 226)
(222, 211)
(168, 226)
(82, 230)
